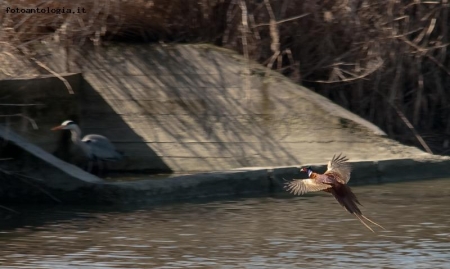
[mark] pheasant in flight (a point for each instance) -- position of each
(334, 180)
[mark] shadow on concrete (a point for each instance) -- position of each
(190, 105)
(201, 108)
(47, 102)
(94, 113)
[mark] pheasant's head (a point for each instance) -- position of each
(307, 170)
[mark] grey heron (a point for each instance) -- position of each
(97, 148)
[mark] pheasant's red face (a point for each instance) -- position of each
(306, 169)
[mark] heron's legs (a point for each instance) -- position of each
(89, 165)
(100, 167)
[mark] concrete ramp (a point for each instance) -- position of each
(36, 163)
(200, 108)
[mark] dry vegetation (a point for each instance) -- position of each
(387, 61)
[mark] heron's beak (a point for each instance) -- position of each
(57, 128)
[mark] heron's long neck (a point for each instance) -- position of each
(76, 139)
(76, 135)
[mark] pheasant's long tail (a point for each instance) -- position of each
(373, 222)
(359, 218)
(348, 200)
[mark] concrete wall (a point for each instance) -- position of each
(201, 108)
(44, 99)
(188, 108)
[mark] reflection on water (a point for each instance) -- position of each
(270, 232)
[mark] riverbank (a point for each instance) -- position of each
(187, 109)
(266, 180)
(59, 182)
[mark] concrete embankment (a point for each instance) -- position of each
(53, 180)
(192, 108)
(266, 181)
(185, 109)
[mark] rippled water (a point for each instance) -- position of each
(265, 232)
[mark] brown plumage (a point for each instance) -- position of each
(334, 181)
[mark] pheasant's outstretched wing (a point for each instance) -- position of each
(339, 168)
(301, 186)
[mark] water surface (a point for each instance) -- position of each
(264, 232)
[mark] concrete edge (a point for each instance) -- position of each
(68, 172)
(337, 111)
(328, 106)
(324, 103)
(266, 180)
(248, 181)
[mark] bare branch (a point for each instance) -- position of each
(282, 21)
(32, 122)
